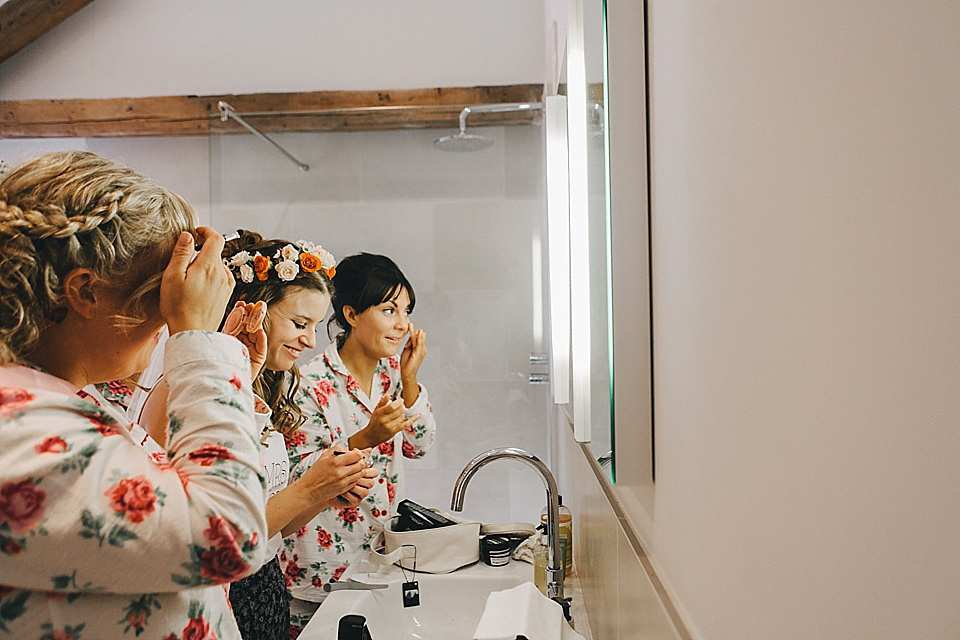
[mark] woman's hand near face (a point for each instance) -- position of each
(411, 358)
(245, 323)
(386, 421)
(194, 294)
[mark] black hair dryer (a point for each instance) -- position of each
(353, 627)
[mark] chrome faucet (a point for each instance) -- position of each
(555, 560)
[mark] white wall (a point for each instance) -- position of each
(137, 48)
(806, 264)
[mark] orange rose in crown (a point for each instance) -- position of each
(309, 262)
(261, 265)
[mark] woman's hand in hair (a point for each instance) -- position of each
(194, 292)
(386, 421)
(245, 323)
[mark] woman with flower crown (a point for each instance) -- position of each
(288, 286)
(361, 392)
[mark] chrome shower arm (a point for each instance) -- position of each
(227, 112)
(495, 108)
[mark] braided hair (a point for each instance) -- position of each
(74, 209)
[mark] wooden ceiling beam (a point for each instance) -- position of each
(268, 112)
(23, 21)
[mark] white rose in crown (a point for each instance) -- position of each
(326, 258)
(290, 253)
(288, 270)
(239, 258)
(246, 273)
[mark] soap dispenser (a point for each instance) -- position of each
(565, 526)
(540, 560)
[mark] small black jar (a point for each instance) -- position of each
(496, 550)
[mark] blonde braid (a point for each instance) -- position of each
(55, 224)
(73, 209)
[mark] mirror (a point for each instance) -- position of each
(601, 354)
(591, 407)
(468, 230)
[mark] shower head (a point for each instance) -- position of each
(463, 141)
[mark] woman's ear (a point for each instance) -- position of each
(79, 292)
(350, 315)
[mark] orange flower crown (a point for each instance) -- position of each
(285, 264)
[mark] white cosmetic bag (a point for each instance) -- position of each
(438, 550)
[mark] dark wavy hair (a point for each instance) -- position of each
(275, 387)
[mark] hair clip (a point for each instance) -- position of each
(234, 235)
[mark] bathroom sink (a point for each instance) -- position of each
(450, 604)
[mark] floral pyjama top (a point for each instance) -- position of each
(337, 408)
(99, 538)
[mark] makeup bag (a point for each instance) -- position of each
(440, 549)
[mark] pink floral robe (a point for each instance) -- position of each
(101, 540)
(337, 409)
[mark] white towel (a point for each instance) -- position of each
(522, 611)
(524, 551)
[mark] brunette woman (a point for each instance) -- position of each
(363, 391)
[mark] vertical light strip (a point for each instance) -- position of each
(579, 222)
(608, 223)
(536, 252)
(558, 245)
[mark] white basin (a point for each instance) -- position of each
(450, 604)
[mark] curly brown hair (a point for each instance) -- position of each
(276, 387)
(74, 209)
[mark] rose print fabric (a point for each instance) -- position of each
(115, 392)
(139, 434)
(101, 539)
(337, 409)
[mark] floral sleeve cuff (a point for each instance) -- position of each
(188, 347)
(421, 406)
(261, 412)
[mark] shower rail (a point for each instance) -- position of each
(227, 112)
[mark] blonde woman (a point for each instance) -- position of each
(97, 538)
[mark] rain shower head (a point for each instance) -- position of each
(463, 141)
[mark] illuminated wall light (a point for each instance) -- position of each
(558, 245)
(536, 251)
(579, 222)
